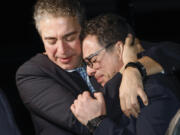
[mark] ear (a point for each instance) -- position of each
(119, 47)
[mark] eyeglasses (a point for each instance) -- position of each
(88, 60)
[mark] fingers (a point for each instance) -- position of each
(129, 40)
(143, 97)
(130, 106)
(135, 107)
(130, 109)
(123, 106)
(79, 96)
(129, 51)
(135, 104)
(100, 100)
(73, 108)
(86, 94)
(99, 96)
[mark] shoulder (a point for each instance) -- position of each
(38, 64)
(161, 85)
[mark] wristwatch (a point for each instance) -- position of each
(140, 67)
(94, 123)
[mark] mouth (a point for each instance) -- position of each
(65, 60)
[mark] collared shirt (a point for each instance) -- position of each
(84, 75)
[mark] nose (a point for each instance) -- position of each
(62, 48)
(90, 71)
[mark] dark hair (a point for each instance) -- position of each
(58, 8)
(109, 28)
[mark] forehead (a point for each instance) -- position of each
(90, 45)
(52, 26)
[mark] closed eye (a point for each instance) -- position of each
(50, 40)
(71, 36)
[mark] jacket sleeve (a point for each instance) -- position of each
(46, 98)
(153, 119)
(167, 54)
(108, 127)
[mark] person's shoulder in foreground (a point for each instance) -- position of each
(7, 121)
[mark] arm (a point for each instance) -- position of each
(131, 85)
(47, 98)
(96, 107)
(158, 58)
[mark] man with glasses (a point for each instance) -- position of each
(103, 48)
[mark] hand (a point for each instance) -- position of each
(86, 108)
(130, 51)
(131, 87)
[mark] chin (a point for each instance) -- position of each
(65, 66)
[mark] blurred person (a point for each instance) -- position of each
(8, 125)
(174, 126)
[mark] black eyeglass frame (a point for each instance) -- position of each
(88, 59)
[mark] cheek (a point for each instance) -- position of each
(50, 50)
(110, 67)
(77, 47)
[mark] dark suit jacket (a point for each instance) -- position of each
(48, 92)
(7, 122)
(153, 119)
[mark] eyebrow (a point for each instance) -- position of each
(69, 34)
(49, 38)
(93, 54)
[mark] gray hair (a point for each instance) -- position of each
(58, 8)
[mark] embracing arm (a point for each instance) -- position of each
(164, 57)
(95, 114)
(132, 82)
(48, 99)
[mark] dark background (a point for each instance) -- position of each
(153, 20)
